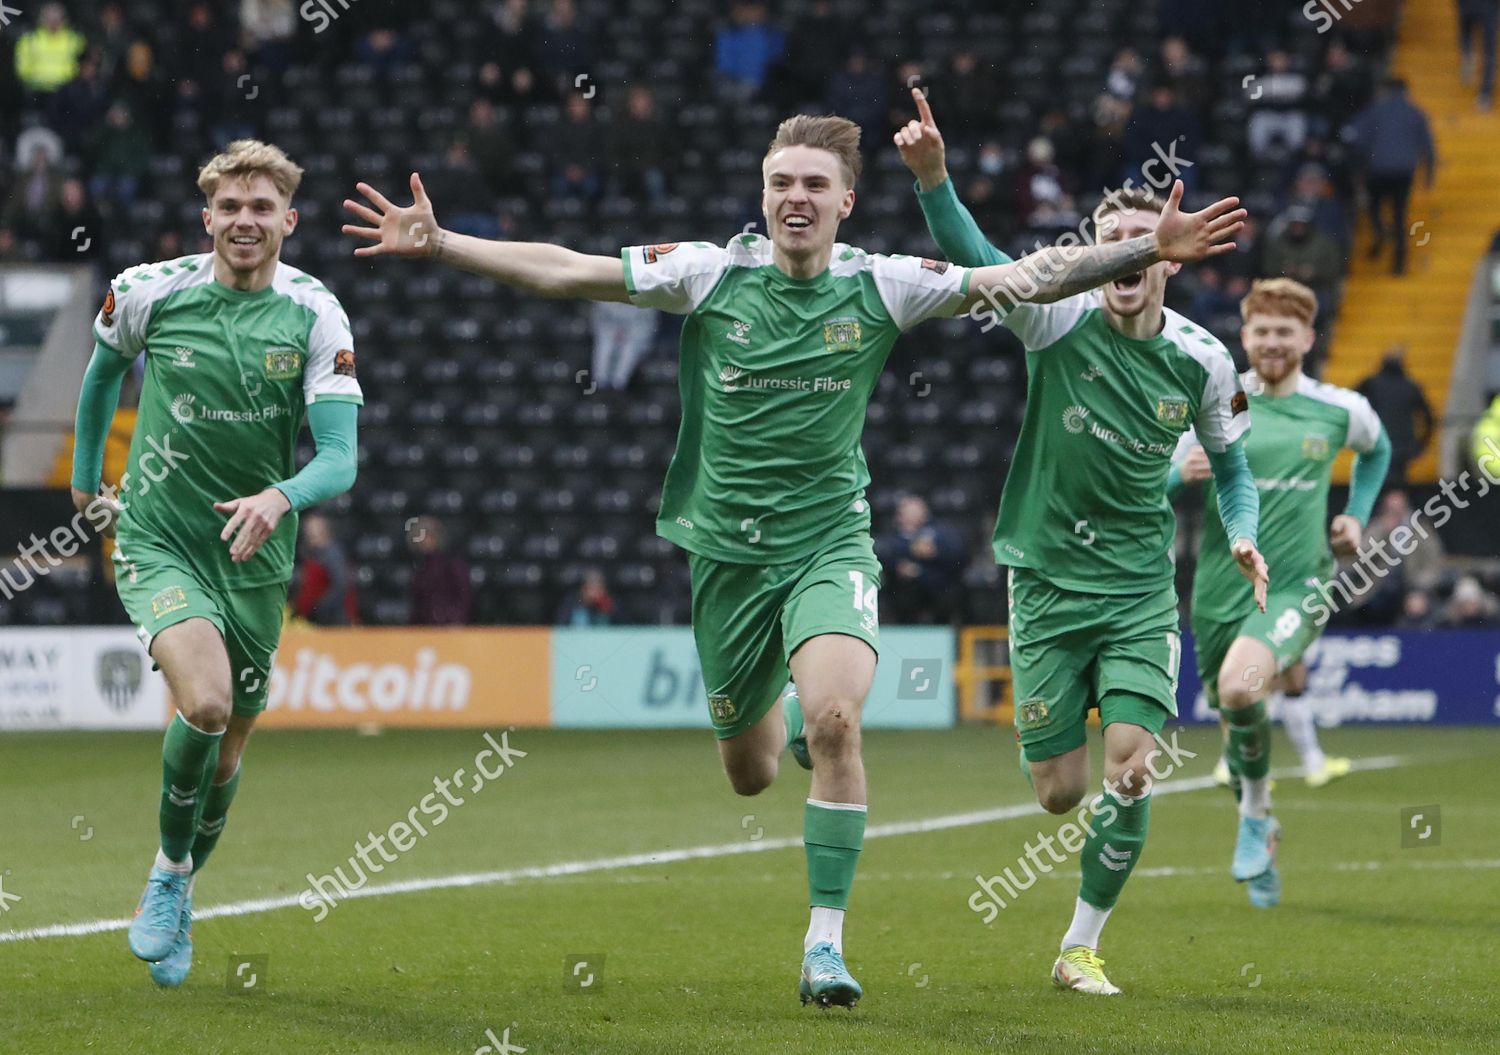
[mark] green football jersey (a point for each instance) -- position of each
(776, 375)
(1085, 502)
(228, 378)
(1291, 452)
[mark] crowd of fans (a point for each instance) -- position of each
(89, 99)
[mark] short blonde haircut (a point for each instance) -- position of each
(837, 135)
(1280, 296)
(245, 158)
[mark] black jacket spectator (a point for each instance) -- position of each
(1403, 409)
(921, 562)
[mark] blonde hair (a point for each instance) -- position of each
(837, 135)
(1125, 201)
(1280, 296)
(245, 158)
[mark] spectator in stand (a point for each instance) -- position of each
(639, 145)
(589, 605)
(1416, 611)
(1163, 127)
(1123, 80)
(325, 595)
(1278, 119)
(858, 93)
(111, 37)
(36, 194)
(1298, 250)
(1342, 87)
(1470, 606)
(267, 28)
(562, 48)
(470, 204)
(140, 86)
(799, 79)
(196, 55)
(1481, 18)
(1421, 570)
(1403, 409)
(491, 150)
(922, 562)
(969, 94)
(82, 104)
(441, 593)
(577, 168)
(1484, 441)
(77, 231)
(122, 157)
(228, 109)
(622, 336)
(1314, 190)
(1391, 139)
(1042, 192)
(385, 50)
(746, 49)
(1183, 72)
(47, 57)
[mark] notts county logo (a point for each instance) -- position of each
(118, 675)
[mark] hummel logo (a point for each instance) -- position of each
(1115, 860)
(182, 796)
(1093, 373)
(738, 335)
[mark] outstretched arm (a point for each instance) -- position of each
(1062, 271)
(951, 225)
(537, 267)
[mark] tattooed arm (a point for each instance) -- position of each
(1061, 271)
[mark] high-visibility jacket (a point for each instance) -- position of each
(48, 59)
(1484, 441)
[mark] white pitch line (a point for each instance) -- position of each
(255, 906)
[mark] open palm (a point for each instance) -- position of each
(411, 230)
(1186, 237)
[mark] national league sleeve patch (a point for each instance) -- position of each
(1239, 402)
(343, 362)
(107, 313)
(940, 266)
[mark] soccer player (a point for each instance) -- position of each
(239, 348)
(1300, 427)
(783, 344)
(1113, 379)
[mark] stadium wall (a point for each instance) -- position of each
(648, 677)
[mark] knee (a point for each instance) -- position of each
(750, 781)
(1238, 689)
(1058, 798)
(832, 726)
(1132, 777)
(206, 708)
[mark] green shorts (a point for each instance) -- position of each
(1285, 627)
(1074, 652)
(160, 589)
(748, 619)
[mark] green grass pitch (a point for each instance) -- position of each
(1377, 946)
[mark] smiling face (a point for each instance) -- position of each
(1144, 290)
(1275, 344)
(806, 196)
(248, 219)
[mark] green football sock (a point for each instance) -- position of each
(216, 802)
(791, 714)
(1249, 750)
(188, 758)
(1117, 834)
(832, 834)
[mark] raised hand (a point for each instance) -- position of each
(410, 230)
(921, 145)
(1186, 237)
